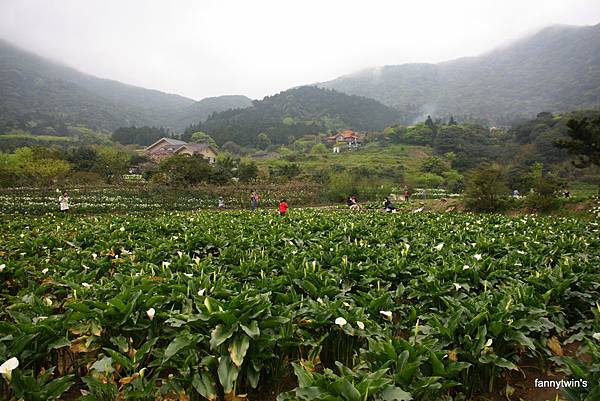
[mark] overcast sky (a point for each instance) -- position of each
(257, 48)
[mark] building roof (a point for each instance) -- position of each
(170, 141)
(346, 134)
(195, 147)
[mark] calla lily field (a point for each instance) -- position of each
(318, 305)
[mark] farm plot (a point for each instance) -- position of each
(320, 305)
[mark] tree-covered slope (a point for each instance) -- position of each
(557, 69)
(36, 89)
(202, 109)
(297, 112)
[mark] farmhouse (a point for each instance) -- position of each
(203, 149)
(348, 136)
(166, 147)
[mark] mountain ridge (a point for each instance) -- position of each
(548, 70)
(33, 84)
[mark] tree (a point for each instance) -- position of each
(485, 188)
(46, 171)
(247, 171)
(203, 137)
(232, 147)
(185, 170)
(584, 141)
(451, 121)
(319, 149)
(434, 165)
(263, 141)
(111, 162)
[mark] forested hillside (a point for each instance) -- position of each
(296, 112)
(37, 92)
(557, 69)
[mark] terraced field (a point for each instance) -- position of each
(319, 305)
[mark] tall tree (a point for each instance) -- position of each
(583, 141)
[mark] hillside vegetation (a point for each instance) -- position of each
(296, 112)
(557, 69)
(37, 91)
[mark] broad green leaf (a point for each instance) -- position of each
(438, 367)
(305, 379)
(219, 335)
(59, 343)
(521, 339)
(238, 348)
(227, 373)
(393, 393)
(205, 386)
(346, 390)
(178, 343)
(497, 361)
(252, 329)
(144, 349)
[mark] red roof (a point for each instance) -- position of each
(347, 134)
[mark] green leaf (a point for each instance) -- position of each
(227, 373)
(205, 386)
(438, 367)
(521, 339)
(144, 349)
(238, 348)
(219, 335)
(253, 376)
(176, 345)
(305, 379)
(347, 390)
(59, 343)
(393, 393)
(497, 361)
(252, 330)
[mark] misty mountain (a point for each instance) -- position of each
(296, 112)
(202, 109)
(35, 88)
(556, 69)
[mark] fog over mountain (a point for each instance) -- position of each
(210, 48)
(555, 69)
(35, 88)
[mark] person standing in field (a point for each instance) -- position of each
(254, 197)
(221, 204)
(283, 207)
(406, 194)
(63, 202)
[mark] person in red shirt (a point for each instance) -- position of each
(283, 206)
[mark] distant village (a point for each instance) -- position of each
(166, 147)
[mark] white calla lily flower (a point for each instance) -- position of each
(340, 321)
(360, 325)
(596, 336)
(386, 313)
(151, 312)
(7, 367)
(86, 285)
(477, 256)
(439, 246)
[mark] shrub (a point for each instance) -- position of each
(485, 189)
